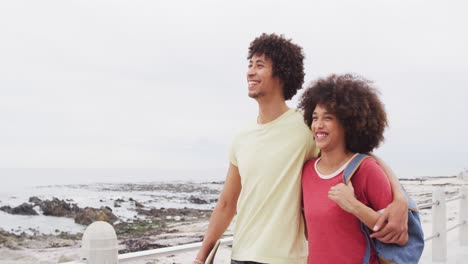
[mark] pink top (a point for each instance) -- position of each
(335, 235)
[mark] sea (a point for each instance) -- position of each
(101, 187)
(17, 179)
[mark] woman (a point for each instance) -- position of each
(346, 117)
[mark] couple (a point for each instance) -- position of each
(271, 160)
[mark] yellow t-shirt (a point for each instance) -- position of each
(269, 225)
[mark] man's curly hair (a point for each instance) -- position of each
(355, 103)
(287, 58)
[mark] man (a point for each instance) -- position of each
(263, 183)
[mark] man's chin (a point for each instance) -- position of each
(254, 95)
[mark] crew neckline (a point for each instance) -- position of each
(276, 119)
(335, 173)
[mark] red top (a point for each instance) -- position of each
(335, 235)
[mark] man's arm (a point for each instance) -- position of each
(392, 225)
(223, 212)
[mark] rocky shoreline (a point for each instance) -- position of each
(136, 235)
(151, 226)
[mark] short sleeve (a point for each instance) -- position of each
(232, 153)
(376, 188)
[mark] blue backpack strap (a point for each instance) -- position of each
(365, 231)
(347, 174)
(352, 167)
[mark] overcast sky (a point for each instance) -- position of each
(161, 84)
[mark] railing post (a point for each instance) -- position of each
(464, 216)
(439, 225)
(99, 244)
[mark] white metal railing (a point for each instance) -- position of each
(167, 250)
(439, 221)
(438, 237)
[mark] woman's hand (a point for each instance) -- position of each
(343, 195)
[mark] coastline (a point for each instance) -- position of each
(152, 226)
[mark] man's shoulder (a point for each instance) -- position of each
(296, 118)
(293, 121)
(297, 113)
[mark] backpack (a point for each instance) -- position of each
(391, 253)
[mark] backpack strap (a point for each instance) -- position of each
(347, 174)
(352, 167)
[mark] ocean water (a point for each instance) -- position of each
(19, 179)
(100, 187)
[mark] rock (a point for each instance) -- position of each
(55, 242)
(196, 200)
(8, 240)
(34, 231)
(134, 245)
(56, 207)
(69, 236)
(217, 182)
(35, 200)
(90, 215)
(139, 205)
(22, 209)
(118, 201)
(182, 213)
(6, 209)
(3, 237)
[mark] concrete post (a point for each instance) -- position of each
(464, 216)
(439, 225)
(99, 244)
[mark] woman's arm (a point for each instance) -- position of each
(392, 226)
(343, 195)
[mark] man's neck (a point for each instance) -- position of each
(269, 111)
